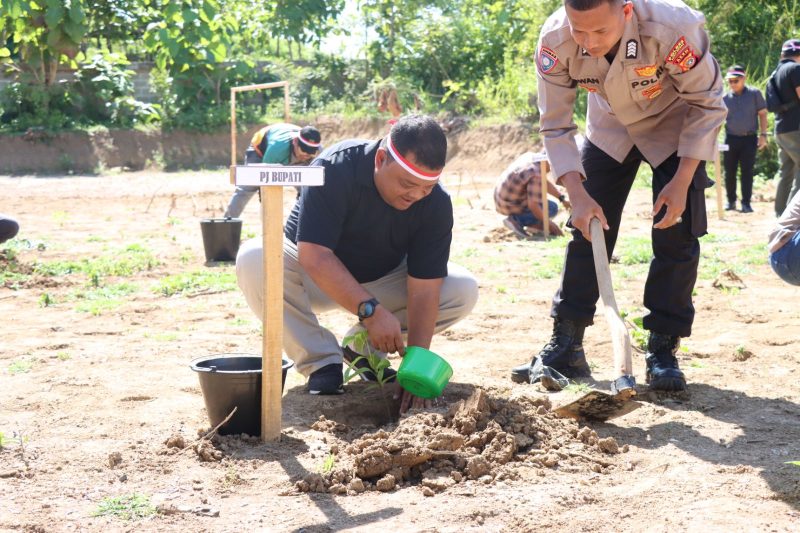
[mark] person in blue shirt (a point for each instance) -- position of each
(745, 134)
(278, 144)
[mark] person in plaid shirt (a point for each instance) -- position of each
(518, 194)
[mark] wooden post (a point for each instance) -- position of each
(272, 324)
(233, 135)
(545, 171)
(718, 175)
(286, 113)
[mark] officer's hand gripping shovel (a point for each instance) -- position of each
(598, 405)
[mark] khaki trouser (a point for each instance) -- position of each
(305, 341)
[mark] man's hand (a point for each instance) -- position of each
(762, 142)
(409, 401)
(554, 229)
(384, 331)
(673, 196)
(584, 209)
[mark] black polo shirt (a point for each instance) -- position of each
(369, 236)
(787, 78)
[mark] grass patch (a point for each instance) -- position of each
(197, 281)
(20, 366)
(545, 267)
(131, 507)
(128, 261)
(100, 299)
(644, 178)
(634, 250)
(578, 388)
(755, 254)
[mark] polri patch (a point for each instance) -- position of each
(632, 49)
(547, 60)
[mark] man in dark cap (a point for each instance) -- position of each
(787, 123)
(278, 144)
(745, 133)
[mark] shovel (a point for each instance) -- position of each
(598, 405)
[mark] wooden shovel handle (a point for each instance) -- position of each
(619, 332)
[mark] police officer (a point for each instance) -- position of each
(655, 95)
(279, 144)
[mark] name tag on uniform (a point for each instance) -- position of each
(279, 175)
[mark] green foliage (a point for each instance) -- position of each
(131, 507)
(328, 463)
(360, 343)
(100, 299)
(639, 335)
(20, 366)
(197, 282)
(133, 258)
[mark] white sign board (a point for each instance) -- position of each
(278, 175)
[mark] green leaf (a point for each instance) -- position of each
(54, 15)
(795, 463)
(5, 52)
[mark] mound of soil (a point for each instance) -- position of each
(487, 437)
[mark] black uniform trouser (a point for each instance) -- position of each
(676, 250)
(741, 154)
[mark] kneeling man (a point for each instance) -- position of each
(374, 241)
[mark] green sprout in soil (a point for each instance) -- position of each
(20, 367)
(578, 388)
(132, 507)
(328, 463)
(198, 282)
(45, 300)
(2, 440)
(378, 365)
(795, 463)
(639, 335)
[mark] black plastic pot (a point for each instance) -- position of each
(234, 380)
(221, 237)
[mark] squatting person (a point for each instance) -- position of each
(373, 241)
(655, 96)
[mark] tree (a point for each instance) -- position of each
(43, 34)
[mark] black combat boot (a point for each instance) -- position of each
(662, 365)
(563, 353)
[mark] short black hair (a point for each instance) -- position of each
(421, 136)
(585, 5)
(309, 133)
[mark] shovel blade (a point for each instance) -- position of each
(599, 406)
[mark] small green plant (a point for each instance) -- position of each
(740, 353)
(378, 365)
(63, 356)
(328, 463)
(697, 364)
(639, 335)
(200, 281)
(45, 300)
(2, 440)
(131, 507)
(578, 388)
(795, 463)
(21, 366)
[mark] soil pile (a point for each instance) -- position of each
(487, 437)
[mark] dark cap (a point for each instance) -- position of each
(791, 47)
(309, 139)
(735, 71)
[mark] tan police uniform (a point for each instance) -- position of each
(663, 91)
(660, 99)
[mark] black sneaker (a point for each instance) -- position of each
(746, 208)
(564, 354)
(662, 366)
(730, 206)
(327, 380)
(389, 374)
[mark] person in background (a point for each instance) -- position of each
(745, 133)
(518, 194)
(278, 144)
(787, 124)
(8, 228)
(784, 243)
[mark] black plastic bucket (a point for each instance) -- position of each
(234, 380)
(221, 237)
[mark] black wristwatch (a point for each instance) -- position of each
(367, 308)
(561, 198)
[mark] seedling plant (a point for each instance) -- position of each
(377, 365)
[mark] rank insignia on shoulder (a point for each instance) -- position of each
(547, 60)
(647, 71)
(632, 49)
(682, 55)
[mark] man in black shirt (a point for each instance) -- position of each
(374, 240)
(787, 124)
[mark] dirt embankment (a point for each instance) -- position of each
(471, 150)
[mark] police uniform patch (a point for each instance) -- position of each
(647, 71)
(632, 49)
(652, 92)
(682, 55)
(547, 60)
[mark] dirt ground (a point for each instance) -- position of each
(98, 404)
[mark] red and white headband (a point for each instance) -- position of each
(310, 144)
(407, 165)
(734, 73)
